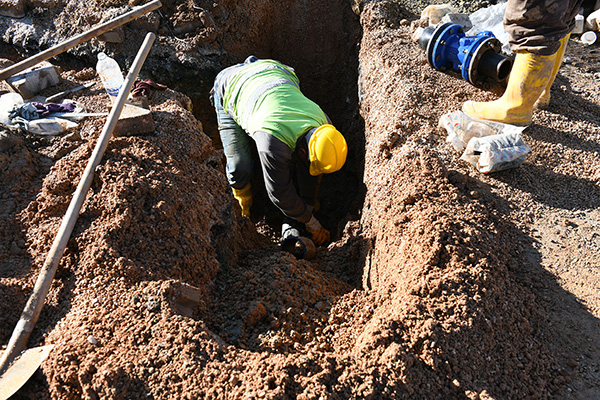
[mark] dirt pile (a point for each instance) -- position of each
(441, 282)
(159, 209)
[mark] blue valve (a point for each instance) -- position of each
(475, 57)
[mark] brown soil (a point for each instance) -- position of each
(442, 284)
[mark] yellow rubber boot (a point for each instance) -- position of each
(528, 78)
(544, 99)
(244, 197)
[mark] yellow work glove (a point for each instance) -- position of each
(244, 197)
(319, 234)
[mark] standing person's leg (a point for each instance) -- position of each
(535, 28)
(544, 100)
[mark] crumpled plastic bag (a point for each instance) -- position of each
(461, 128)
(8, 101)
(592, 22)
(496, 152)
(435, 12)
(491, 19)
(48, 126)
(15, 113)
(27, 111)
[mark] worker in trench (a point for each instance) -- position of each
(538, 33)
(260, 101)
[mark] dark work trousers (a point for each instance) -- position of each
(536, 26)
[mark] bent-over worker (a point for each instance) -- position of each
(538, 32)
(261, 100)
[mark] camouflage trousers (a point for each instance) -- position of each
(536, 26)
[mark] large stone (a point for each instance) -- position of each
(12, 8)
(33, 80)
(134, 121)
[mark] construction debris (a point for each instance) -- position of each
(33, 80)
(134, 121)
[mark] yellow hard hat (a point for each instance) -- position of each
(328, 149)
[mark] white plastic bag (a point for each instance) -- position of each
(461, 128)
(592, 22)
(49, 126)
(496, 152)
(491, 19)
(7, 102)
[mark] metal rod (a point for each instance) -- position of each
(60, 95)
(22, 331)
(74, 41)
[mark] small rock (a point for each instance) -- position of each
(404, 22)
(147, 23)
(258, 313)
(324, 347)
(153, 305)
(295, 336)
(139, 101)
(275, 342)
(92, 340)
(73, 136)
(459, 19)
(188, 299)
(275, 323)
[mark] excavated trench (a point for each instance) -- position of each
(320, 41)
(421, 294)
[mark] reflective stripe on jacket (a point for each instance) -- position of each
(265, 96)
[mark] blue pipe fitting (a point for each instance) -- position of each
(475, 57)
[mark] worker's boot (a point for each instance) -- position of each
(244, 197)
(528, 78)
(544, 99)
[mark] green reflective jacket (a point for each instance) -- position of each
(265, 96)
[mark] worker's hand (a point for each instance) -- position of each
(319, 234)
